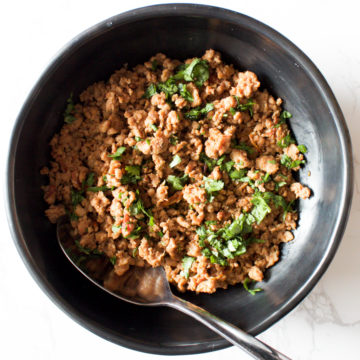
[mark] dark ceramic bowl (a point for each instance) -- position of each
(182, 31)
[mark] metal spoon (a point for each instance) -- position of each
(149, 287)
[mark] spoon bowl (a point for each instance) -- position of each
(148, 286)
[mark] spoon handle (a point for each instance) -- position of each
(237, 337)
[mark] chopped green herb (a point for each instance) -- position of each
(212, 185)
(148, 141)
(260, 207)
(132, 175)
(237, 174)
(276, 199)
(210, 222)
(272, 162)
(184, 92)
(150, 91)
(115, 228)
(160, 233)
(73, 217)
(227, 242)
(249, 181)
(198, 112)
(177, 182)
(175, 161)
(76, 197)
(290, 163)
(105, 178)
(197, 71)
(154, 127)
(232, 111)
(227, 166)
(97, 188)
(302, 148)
(246, 287)
(113, 260)
(187, 262)
(169, 88)
(87, 251)
(242, 146)
(210, 163)
(243, 107)
(267, 177)
(134, 234)
(90, 179)
(154, 65)
(137, 138)
(135, 252)
(283, 116)
(68, 116)
(151, 222)
(118, 153)
(286, 141)
(173, 140)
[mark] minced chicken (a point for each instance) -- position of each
(188, 166)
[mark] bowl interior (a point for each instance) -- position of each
(132, 38)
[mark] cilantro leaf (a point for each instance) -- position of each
(117, 155)
(198, 112)
(228, 242)
(68, 113)
(137, 208)
(197, 71)
(243, 107)
(283, 116)
(246, 287)
(286, 141)
(150, 91)
(97, 188)
(289, 162)
(237, 174)
(184, 92)
(90, 179)
(302, 148)
(212, 185)
(227, 166)
(210, 163)
(175, 161)
(177, 182)
(187, 262)
(132, 175)
(135, 233)
(260, 208)
(76, 197)
(242, 146)
(154, 65)
(113, 260)
(169, 87)
(173, 140)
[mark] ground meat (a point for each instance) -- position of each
(267, 163)
(300, 190)
(217, 143)
(156, 170)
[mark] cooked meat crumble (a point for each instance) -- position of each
(188, 166)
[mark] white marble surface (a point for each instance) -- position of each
(326, 325)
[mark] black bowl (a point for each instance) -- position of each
(182, 31)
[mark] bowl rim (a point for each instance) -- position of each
(180, 9)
